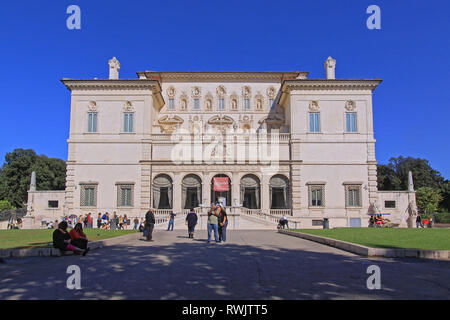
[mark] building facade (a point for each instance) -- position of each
(265, 144)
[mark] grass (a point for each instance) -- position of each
(432, 239)
(42, 238)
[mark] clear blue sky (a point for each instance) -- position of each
(410, 53)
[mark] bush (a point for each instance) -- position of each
(443, 217)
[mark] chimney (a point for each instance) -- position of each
(114, 67)
(330, 68)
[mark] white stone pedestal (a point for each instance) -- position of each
(28, 222)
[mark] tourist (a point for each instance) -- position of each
(213, 224)
(171, 221)
(55, 224)
(61, 240)
(419, 221)
(85, 221)
(284, 222)
(191, 222)
(149, 224)
(114, 222)
(136, 223)
(99, 221)
(223, 224)
(90, 221)
(125, 221)
(78, 237)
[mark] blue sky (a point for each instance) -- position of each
(410, 53)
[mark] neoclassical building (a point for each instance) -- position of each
(264, 144)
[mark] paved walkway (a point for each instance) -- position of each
(251, 265)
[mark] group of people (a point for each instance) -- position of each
(113, 223)
(75, 240)
(421, 222)
(376, 221)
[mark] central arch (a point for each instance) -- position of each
(162, 192)
(221, 191)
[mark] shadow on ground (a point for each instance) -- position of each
(196, 270)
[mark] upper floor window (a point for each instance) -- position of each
(196, 104)
(350, 122)
(221, 104)
(247, 104)
(128, 122)
(171, 104)
(88, 196)
(92, 122)
(125, 195)
(314, 122)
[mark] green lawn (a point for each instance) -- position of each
(436, 239)
(41, 238)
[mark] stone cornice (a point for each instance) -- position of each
(334, 84)
(222, 76)
(121, 84)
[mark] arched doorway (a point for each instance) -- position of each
(191, 192)
(221, 189)
(279, 192)
(162, 192)
(250, 192)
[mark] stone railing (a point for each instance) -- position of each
(162, 212)
(285, 137)
(281, 212)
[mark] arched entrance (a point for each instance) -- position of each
(279, 192)
(191, 193)
(221, 189)
(250, 192)
(162, 192)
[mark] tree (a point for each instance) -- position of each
(428, 200)
(15, 175)
(5, 205)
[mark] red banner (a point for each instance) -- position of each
(221, 184)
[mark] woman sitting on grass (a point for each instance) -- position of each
(79, 238)
(61, 240)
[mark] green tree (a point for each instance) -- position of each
(15, 175)
(428, 200)
(5, 205)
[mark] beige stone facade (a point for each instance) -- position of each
(286, 144)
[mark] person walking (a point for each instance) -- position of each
(213, 224)
(171, 221)
(419, 221)
(136, 223)
(99, 221)
(223, 224)
(191, 222)
(125, 222)
(149, 224)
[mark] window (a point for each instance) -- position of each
(390, 204)
(350, 122)
(196, 104)
(171, 104)
(128, 122)
(53, 204)
(88, 196)
(125, 195)
(247, 104)
(316, 195)
(314, 122)
(92, 122)
(316, 223)
(353, 196)
(221, 104)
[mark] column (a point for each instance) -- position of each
(265, 197)
(176, 185)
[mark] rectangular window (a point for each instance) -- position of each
(389, 204)
(171, 104)
(53, 204)
(353, 196)
(316, 196)
(317, 223)
(247, 104)
(196, 104)
(128, 122)
(92, 122)
(350, 122)
(88, 196)
(125, 196)
(314, 122)
(221, 104)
